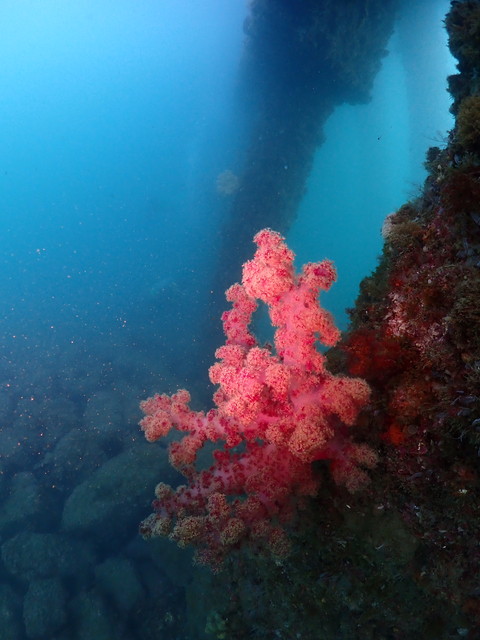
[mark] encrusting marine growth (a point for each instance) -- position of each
(277, 411)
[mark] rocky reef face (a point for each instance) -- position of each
(416, 337)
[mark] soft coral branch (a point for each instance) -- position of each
(276, 412)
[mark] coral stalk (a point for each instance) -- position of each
(277, 410)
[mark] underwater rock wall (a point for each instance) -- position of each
(415, 338)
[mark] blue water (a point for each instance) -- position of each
(116, 119)
(114, 128)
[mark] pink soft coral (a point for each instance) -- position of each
(276, 412)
